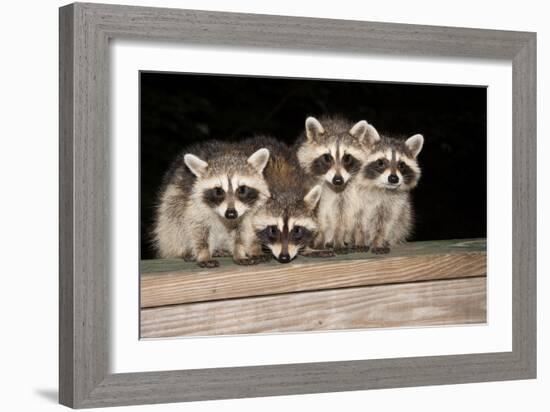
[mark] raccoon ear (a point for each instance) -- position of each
(359, 130)
(312, 197)
(415, 143)
(313, 128)
(372, 136)
(259, 159)
(364, 132)
(196, 165)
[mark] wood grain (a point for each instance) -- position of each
(181, 287)
(444, 302)
(524, 205)
(66, 207)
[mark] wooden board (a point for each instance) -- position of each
(443, 302)
(420, 283)
(180, 287)
(419, 261)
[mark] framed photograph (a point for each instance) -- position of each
(257, 205)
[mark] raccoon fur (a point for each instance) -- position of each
(390, 172)
(333, 150)
(205, 204)
(286, 223)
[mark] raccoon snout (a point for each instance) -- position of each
(231, 214)
(393, 179)
(337, 180)
(284, 258)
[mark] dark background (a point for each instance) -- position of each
(450, 200)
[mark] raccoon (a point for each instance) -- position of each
(208, 196)
(333, 151)
(286, 223)
(391, 170)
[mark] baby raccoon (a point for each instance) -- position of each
(333, 150)
(206, 202)
(286, 223)
(390, 172)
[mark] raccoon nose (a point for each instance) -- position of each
(284, 258)
(393, 179)
(337, 180)
(231, 214)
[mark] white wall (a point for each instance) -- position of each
(28, 166)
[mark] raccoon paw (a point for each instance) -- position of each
(262, 258)
(208, 263)
(253, 260)
(342, 250)
(188, 258)
(361, 249)
(319, 253)
(221, 253)
(380, 250)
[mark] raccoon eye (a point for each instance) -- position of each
(272, 231)
(380, 163)
(346, 159)
(242, 190)
(297, 232)
(401, 165)
(327, 158)
(218, 192)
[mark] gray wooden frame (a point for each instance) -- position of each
(85, 31)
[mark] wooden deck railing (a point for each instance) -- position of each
(421, 283)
